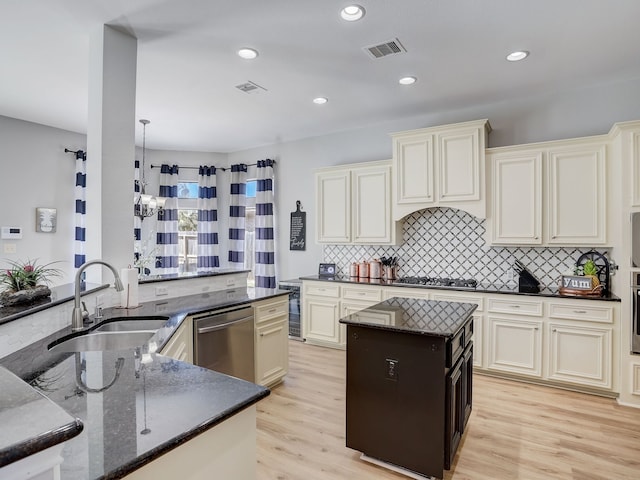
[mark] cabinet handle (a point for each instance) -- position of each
(272, 310)
(579, 311)
(515, 306)
(535, 328)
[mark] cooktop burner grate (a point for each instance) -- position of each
(439, 282)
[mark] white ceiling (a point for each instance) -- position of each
(188, 68)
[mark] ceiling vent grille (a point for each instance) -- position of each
(250, 87)
(392, 47)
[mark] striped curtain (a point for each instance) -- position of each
(237, 205)
(167, 232)
(81, 208)
(208, 250)
(137, 221)
(265, 269)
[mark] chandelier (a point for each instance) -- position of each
(146, 205)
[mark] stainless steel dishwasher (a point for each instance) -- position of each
(224, 341)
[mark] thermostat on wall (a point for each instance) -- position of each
(11, 233)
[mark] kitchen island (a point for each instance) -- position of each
(409, 383)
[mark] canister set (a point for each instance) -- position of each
(377, 269)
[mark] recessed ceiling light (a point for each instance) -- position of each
(352, 13)
(517, 56)
(407, 80)
(247, 53)
(320, 100)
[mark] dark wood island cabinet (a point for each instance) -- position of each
(409, 383)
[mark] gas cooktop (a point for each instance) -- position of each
(469, 283)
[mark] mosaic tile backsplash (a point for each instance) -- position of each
(444, 242)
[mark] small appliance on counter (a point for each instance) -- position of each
(326, 270)
(527, 283)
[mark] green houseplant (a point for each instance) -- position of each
(25, 282)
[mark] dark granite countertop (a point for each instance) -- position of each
(136, 404)
(483, 287)
(59, 294)
(423, 317)
(30, 421)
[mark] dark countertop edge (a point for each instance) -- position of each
(482, 288)
(183, 276)
(39, 443)
(31, 309)
(179, 440)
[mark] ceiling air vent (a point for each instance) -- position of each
(250, 87)
(387, 48)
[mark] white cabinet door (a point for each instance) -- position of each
(321, 316)
(371, 220)
(180, 345)
(272, 351)
(460, 166)
(580, 355)
(577, 195)
(516, 213)
(333, 206)
(413, 162)
(515, 346)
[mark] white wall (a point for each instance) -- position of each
(36, 172)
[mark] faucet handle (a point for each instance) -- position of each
(85, 312)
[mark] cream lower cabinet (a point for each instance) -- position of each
(321, 313)
(180, 345)
(582, 343)
(515, 335)
(271, 340)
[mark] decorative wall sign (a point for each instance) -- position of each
(298, 231)
(46, 220)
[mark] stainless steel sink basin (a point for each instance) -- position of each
(130, 325)
(100, 341)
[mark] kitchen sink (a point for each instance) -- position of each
(100, 341)
(131, 325)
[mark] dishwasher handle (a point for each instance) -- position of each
(220, 326)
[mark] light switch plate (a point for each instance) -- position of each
(9, 248)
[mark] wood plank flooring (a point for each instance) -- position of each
(516, 430)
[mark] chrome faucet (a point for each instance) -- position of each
(77, 320)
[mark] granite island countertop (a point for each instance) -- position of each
(136, 404)
(415, 316)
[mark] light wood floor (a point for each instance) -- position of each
(516, 430)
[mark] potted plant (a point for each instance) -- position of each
(25, 282)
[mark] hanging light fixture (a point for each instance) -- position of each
(147, 205)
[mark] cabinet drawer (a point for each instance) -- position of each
(322, 290)
(355, 293)
(452, 297)
(500, 305)
(268, 311)
(590, 313)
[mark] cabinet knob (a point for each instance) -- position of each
(554, 330)
(262, 334)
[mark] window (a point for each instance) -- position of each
(188, 228)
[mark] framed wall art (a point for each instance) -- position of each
(46, 220)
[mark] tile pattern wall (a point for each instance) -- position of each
(444, 242)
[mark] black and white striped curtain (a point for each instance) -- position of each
(237, 207)
(167, 232)
(265, 268)
(208, 249)
(81, 208)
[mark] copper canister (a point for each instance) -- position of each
(363, 270)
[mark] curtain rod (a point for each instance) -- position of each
(66, 150)
(191, 167)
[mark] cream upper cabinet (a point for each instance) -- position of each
(635, 159)
(440, 166)
(577, 195)
(354, 204)
(551, 193)
(516, 198)
(333, 206)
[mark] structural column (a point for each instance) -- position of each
(110, 148)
